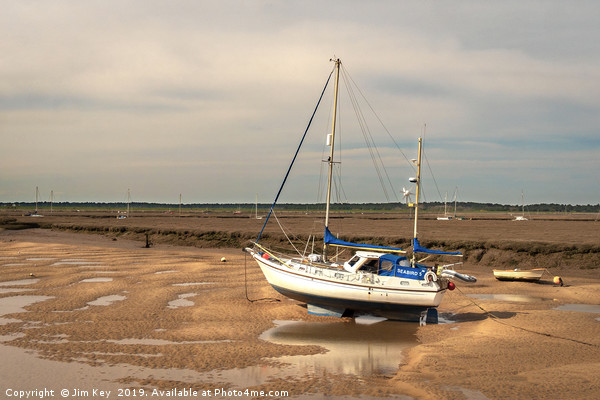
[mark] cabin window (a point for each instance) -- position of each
(370, 266)
(353, 260)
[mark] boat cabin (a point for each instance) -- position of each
(384, 264)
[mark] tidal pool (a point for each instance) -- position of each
(507, 297)
(352, 348)
(181, 301)
(588, 308)
(92, 280)
(107, 300)
(20, 282)
(17, 304)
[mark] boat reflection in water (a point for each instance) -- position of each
(352, 348)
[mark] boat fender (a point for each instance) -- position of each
(558, 281)
(315, 257)
(430, 276)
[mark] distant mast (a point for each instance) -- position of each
(37, 194)
(455, 195)
(331, 144)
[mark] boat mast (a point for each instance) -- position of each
(455, 194)
(417, 192)
(446, 204)
(331, 142)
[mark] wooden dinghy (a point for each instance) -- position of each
(528, 275)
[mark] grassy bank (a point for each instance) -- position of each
(485, 252)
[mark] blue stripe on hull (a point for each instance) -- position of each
(387, 310)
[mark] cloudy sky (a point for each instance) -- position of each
(210, 98)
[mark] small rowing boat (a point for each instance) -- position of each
(528, 275)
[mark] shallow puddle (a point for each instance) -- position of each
(588, 308)
(4, 321)
(20, 282)
(17, 304)
(12, 336)
(60, 377)
(93, 280)
(73, 261)
(181, 301)
(14, 290)
(107, 300)
(507, 297)
(353, 348)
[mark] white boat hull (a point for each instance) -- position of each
(337, 290)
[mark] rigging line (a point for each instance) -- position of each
(285, 234)
(368, 137)
(295, 156)
(431, 172)
(339, 188)
(381, 122)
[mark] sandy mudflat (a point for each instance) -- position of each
(110, 313)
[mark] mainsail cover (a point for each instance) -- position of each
(417, 248)
(334, 241)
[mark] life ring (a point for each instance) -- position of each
(430, 276)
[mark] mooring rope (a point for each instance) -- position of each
(273, 299)
(497, 319)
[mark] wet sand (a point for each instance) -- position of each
(114, 315)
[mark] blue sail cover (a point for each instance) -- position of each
(417, 248)
(334, 241)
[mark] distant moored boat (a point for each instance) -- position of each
(528, 275)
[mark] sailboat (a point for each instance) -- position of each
(126, 214)
(446, 217)
(36, 212)
(522, 216)
(376, 280)
(256, 216)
